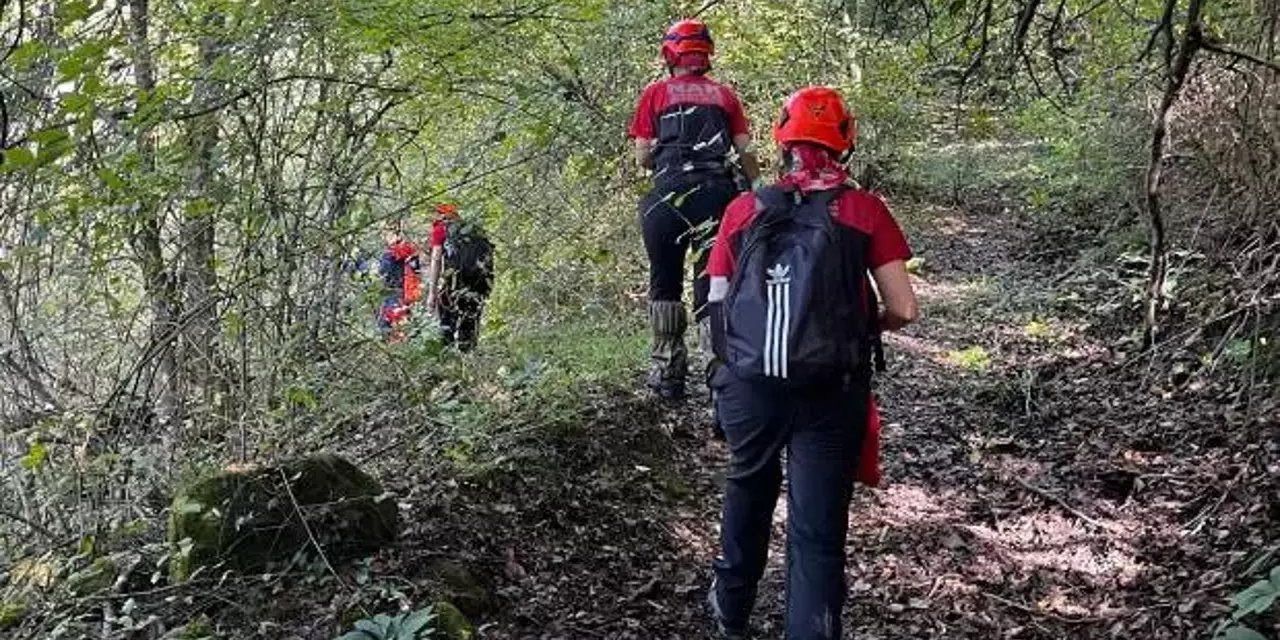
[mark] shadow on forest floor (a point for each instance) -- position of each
(1039, 484)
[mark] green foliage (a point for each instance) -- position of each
(416, 625)
(973, 358)
(1258, 598)
(35, 457)
(11, 613)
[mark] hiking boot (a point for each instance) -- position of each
(669, 390)
(723, 630)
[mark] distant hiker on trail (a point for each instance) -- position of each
(796, 324)
(460, 276)
(402, 282)
(684, 128)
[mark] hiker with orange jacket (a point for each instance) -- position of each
(401, 270)
(796, 325)
(685, 127)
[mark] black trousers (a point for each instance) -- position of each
(675, 217)
(460, 310)
(821, 430)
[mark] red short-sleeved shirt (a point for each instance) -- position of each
(859, 209)
(662, 96)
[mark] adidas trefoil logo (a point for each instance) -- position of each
(779, 273)
(777, 324)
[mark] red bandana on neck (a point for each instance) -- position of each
(813, 169)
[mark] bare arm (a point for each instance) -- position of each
(433, 277)
(644, 152)
(896, 294)
(747, 157)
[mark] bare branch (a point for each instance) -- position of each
(251, 91)
(1240, 55)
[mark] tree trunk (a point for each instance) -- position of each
(199, 353)
(1176, 76)
(159, 282)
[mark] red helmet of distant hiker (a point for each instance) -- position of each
(688, 44)
(819, 116)
(447, 210)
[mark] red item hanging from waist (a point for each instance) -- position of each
(868, 471)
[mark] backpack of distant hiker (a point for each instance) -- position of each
(412, 289)
(800, 307)
(468, 256)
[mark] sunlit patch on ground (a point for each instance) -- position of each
(903, 505)
(1047, 540)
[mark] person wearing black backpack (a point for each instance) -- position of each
(686, 127)
(460, 276)
(795, 326)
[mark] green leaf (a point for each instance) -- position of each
(372, 628)
(1242, 633)
(76, 103)
(1275, 577)
(71, 66)
(1256, 599)
(418, 620)
(303, 397)
(72, 10)
(18, 157)
(355, 635)
(49, 136)
(36, 455)
(26, 53)
(111, 179)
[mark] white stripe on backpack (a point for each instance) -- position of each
(777, 321)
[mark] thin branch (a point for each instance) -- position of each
(251, 91)
(22, 28)
(1054, 498)
(706, 6)
(34, 526)
(1240, 55)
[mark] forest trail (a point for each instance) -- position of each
(1020, 500)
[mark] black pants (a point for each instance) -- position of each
(821, 429)
(675, 217)
(460, 309)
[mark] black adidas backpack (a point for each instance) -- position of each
(800, 307)
(468, 256)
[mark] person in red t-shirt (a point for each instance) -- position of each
(824, 421)
(685, 128)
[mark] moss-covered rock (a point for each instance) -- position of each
(248, 518)
(98, 576)
(457, 584)
(451, 623)
(11, 613)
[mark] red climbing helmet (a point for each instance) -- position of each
(447, 209)
(687, 38)
(817, 115)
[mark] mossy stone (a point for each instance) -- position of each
(248, 518)
(452, 623)
(98, 576)
(11, 613)
(459, 586)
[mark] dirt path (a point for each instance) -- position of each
(1019, 501)
(1038, 485)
